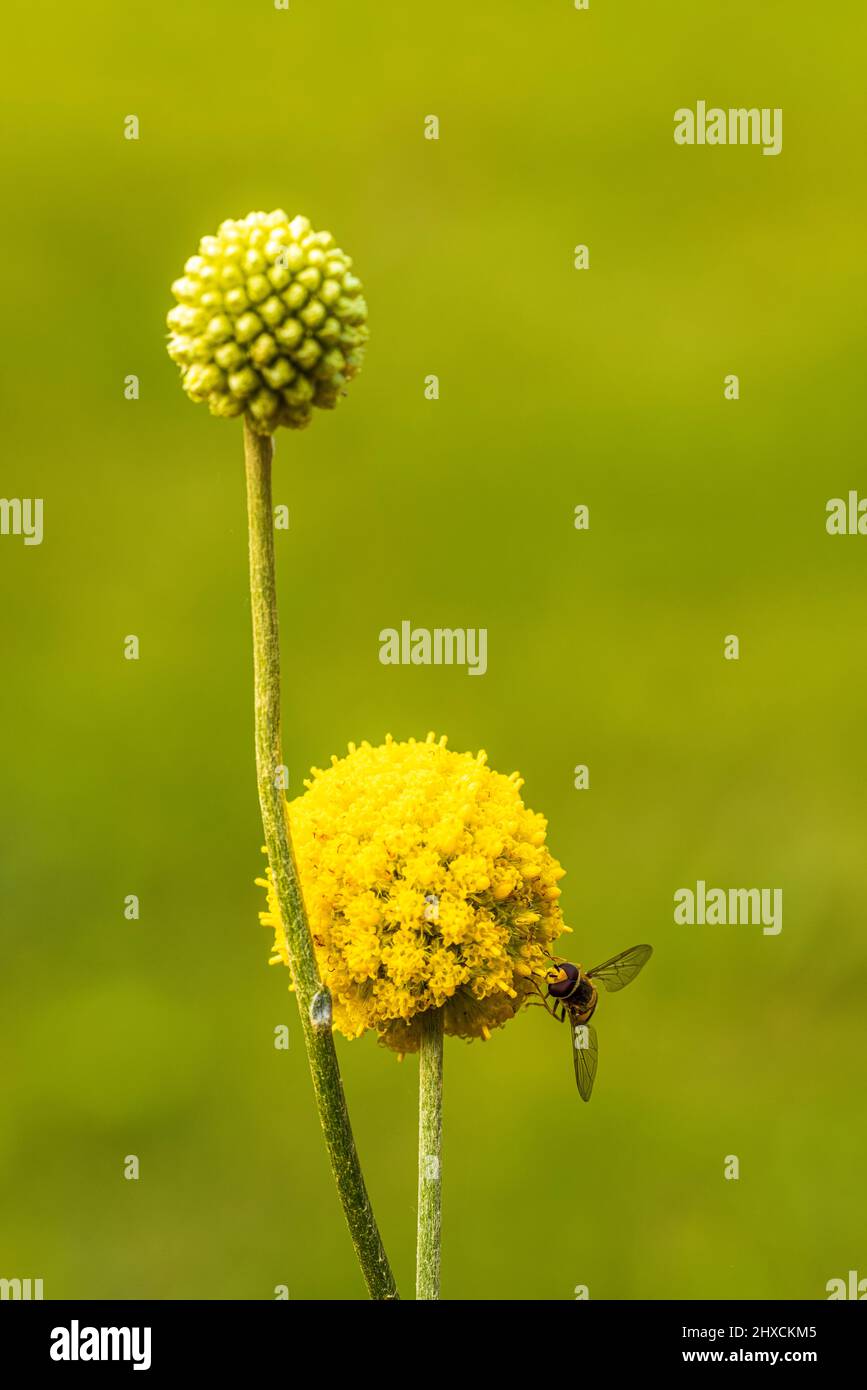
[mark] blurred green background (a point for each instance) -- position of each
(557, 387)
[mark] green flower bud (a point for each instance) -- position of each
(230, 276)
(230, 356)
(280, 374)
(269, 321)
(225, 405)
(254, 262)
(333, 364)
(295, 296)
(181, 350)
(299, 394)
(289, 334)
(258, 288)
(186, 290)
(219, 329)
(273, 311)
(202, 350)
(276, 246)
(263, 350)
(265, 406)
(194, 384)
(244, 382)
(236, 300)
(330, 331)
(279, 276)
(307, 355)
(313, 314)
(309, 277)
(248, 327)
(185, 319)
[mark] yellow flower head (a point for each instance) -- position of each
(427, 884)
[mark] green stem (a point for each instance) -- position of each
(430, 1143)
(314, 1000)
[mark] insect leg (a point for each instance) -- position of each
(543, 1000)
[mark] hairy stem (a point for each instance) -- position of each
(314, 1000)
(430, 1141)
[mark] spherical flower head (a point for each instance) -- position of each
(427, 884)
(270, 321)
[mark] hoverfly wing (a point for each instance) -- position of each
(620, 971)
(585, 1054)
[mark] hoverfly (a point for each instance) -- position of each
(574, 993)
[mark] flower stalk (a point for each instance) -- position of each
(430, 1139)
(314, 1000)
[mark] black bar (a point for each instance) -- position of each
(165, 1338)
